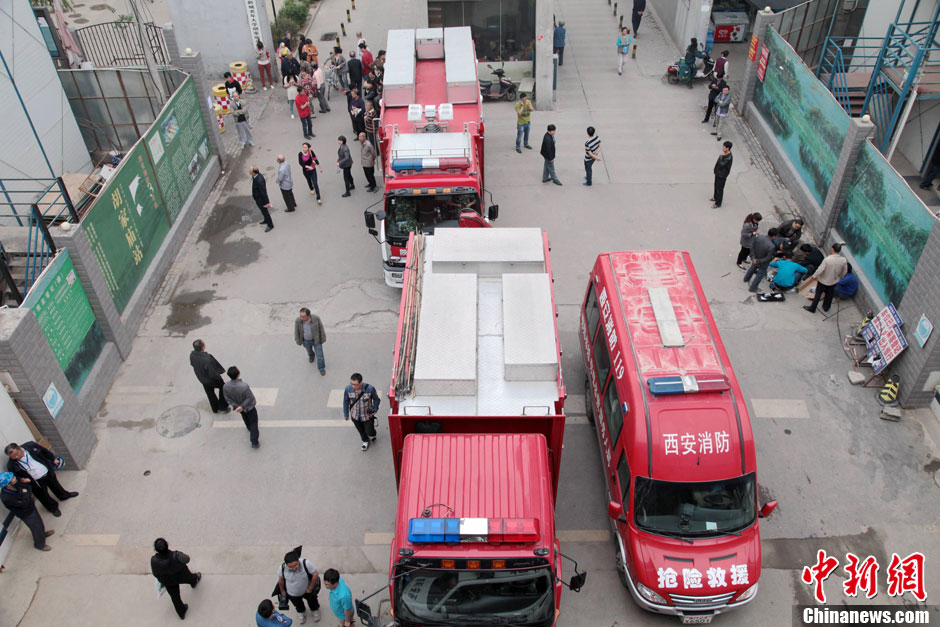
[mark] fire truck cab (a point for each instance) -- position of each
(431, 141)
(675, 437)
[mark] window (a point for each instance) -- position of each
(593, 313)
(612, 411)
(503, 30)
(623, 476)
(601, 362)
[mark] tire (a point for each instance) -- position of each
(511, 94)
(673, 79)
(588, 401)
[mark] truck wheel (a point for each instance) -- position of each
(511, 94)
(622, 571)
(588, 401)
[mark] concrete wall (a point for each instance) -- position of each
(919, 131)
(681, 19)
(35, 75)
(219, 30)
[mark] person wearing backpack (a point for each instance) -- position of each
(298, 580)
(361, 402)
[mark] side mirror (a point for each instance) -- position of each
(380, 215)
(492, 212)
(370, 220)
(615, 511)
(577, 582)
(768, 509)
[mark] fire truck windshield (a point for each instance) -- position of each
(408, 213)
(696, 509)
(462, 597)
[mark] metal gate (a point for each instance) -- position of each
(118, 44)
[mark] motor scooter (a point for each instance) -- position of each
(678, 72)
(502, 89)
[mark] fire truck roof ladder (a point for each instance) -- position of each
(412, 312)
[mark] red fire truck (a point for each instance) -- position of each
(431, 141)
(675, 437)
(476, 427)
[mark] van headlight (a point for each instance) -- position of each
(748, 594)
(650, 595)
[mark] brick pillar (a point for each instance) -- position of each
(172, 46)
(918, 367)
(544, 66)
(859, 131)
(763, 20)
(191, 63)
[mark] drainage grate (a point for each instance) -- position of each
(328, 36)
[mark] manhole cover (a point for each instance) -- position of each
(178, 421)
(328, 36)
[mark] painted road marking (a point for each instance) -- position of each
(564, 535)
(265, 397)
(279, 424)
(155, 395)
(779, 408)
(92, 539)
(336, 398)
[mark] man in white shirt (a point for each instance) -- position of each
(298, 579)
(38, 464)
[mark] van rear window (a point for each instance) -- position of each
(703, 509)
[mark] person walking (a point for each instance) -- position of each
(16, 497)
(827, 275)
(639, 6)
(308, 165)
(714, 90)
(623, 48)
(340, 597)
(361, 402)
(722, 107)
(264, 66)
(240, 111)
(558, 42)
(37, 465)
(209, 373)
(240, 396)
(548, 154)
(286, 183)
(748, 231)
(320, 92)
(354, 69)
(722, 169)
(368, 161)
(291, 96)
(592, 153)
(299, 581)
(259, 191)
(344, 162)
(267, 616)
(524, 111)
(304, 111)
(309, 333)
(171, 570)
(762, 253)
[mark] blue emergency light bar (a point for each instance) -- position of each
(687, 384)
(484, 530)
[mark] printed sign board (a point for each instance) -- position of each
(884, 338)
(752, 50)
(762, 63)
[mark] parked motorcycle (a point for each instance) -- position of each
(678, 72)
(501, 89)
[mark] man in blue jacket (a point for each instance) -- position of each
(361, 402)
(558, 43)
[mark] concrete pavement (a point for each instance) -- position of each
(845, 480)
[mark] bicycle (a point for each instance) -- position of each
(332, 82)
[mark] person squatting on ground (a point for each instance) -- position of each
(762, 253)
(240, 396)
(360, 403)
(171, 570)
(267, 616)
(209, 373)
(309, 333)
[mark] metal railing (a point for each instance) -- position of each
(118, 44)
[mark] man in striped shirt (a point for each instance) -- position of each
(592, 153)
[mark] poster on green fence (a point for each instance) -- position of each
(66, 319)
(126, 225)
(179, 147)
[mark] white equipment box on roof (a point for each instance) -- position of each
(486, 341)
(399, 77)
(429, 43)
(460, 65)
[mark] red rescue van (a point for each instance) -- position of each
(675, 437)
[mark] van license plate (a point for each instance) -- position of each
(697, 620)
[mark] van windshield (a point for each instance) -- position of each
(467, 597)
(407, 213)
(696, 509)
